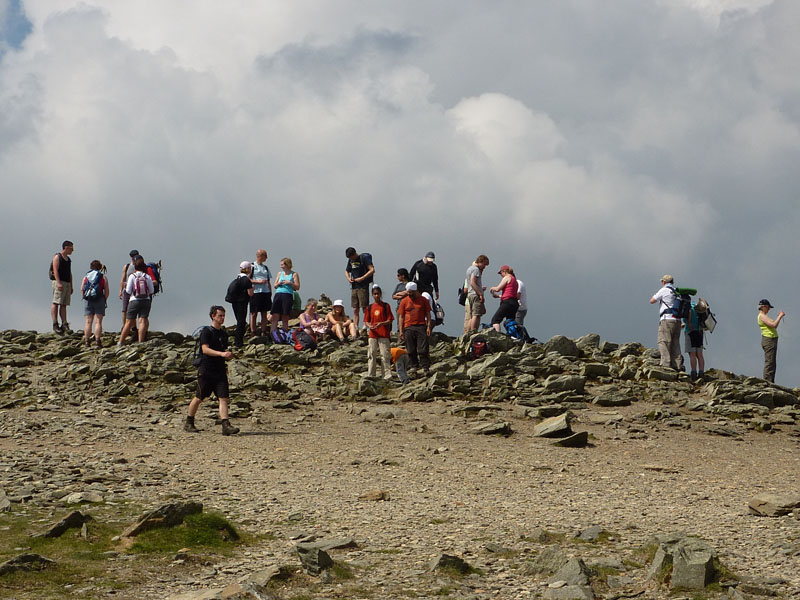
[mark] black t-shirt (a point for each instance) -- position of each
(427, 275)
(358, 267)
(216, 339)
(237, 290)
(64, 268)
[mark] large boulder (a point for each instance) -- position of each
(773, 505)
(554, 426)
(562, 345)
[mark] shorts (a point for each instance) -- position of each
(261, 302)
(688, 344)
(62, 297)
(209, 383)
(126, 299)
(476, 307)
(138, 308)
(95, 306)
(359, 298)
(282, 304)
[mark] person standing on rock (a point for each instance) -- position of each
(508, 292)
(95, 291)
(769, 338)
(61, 276)
(400, 289)
(127, 270)
(694, 344)
(238, 294)
(476, 302)
(426, 275)
(261, 300)
(379, 322)
(140, 288)
(212, 374)
(522, 310)
(414, 328)
(359, 272)
(669, 325)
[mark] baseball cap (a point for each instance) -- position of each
(133, 253)
(765, 302)
(503, 268)
(411, 286)
(245, 264)
(430, 255)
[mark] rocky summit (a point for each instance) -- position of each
(569, 469)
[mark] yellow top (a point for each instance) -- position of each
(766, 330)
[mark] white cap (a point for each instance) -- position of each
(338, 303)
(411, 286)
(244, 265)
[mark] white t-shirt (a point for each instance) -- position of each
(523, 295)
(149, 282)
(666, 299)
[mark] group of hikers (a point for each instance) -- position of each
(677, 312)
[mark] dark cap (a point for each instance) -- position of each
(765, 302)
(133, 253)
(430, 255)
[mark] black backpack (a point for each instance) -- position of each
(197, 354)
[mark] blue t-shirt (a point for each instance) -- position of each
(260, 272)
(693, 319)
(285, 283)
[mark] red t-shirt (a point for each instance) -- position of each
(413, 310)
(376, 313)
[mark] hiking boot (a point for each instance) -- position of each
(87, 341)
(188, 426)
(228, 429)
(65, 327)
(57, 328)
(99, 343)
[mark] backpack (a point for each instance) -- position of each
(50, 269)
(234, 294)
(154, 270)
(439, 312)
(93, 286)
(279, 336)
(140, 285)
(513, 329)
(705, 316)
(197, 354)
(303, 341)
(478, 347)
(368, 256)
(683, 302)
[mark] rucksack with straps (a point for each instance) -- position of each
(154, 270)
(197, 355)
(93, 284)
(303, 341)
(140, 290)
(513, 329)
(682, 307)
(478, 347)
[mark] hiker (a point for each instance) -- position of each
(400, 289)
(341, 325)
(212, 374)
(312, 323)
(239, 292)
(694, 343)
(522, 310)
(414, 328)
(287, 282)
(140, 289)
(769, 338)
(669, 326)
(476, 302)
(508, 292)
(261, 300)
(426, 275)
(61, 276)
(359, 273)
(379, 319)
(400, 360)
(127, 270)
(94, 290)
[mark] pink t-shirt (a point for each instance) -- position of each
(511, 289)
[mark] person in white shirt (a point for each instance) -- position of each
(522, 298)
(669, 325)
(140, 288)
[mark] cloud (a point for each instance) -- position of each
(589, 145)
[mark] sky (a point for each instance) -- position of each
(594, 146)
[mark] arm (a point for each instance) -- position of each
(500, 286)
(106, 291)
(428, 318)
(209, 351)
(769, 322)
(413, 271)
(436, 280)
(399, 295)
(400, 319)
(123, 281)
(59, 284)
(296, 282)
(473, 283)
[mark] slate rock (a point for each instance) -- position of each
(691, 561)
(450, 562)
(497, 428)
(773, 505)
(168, 515)
(563, 346)
(589, 341)
(576, 440)
(72, 520)
(26, 562)
(554, 427)
(590, 534)
(313, 558)
(569, 592)
(78, 497)
(565, 383)
(549, 560)
(573, 572)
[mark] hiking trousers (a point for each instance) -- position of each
(417, 346)
(770, 347)
(240, 310)
(669, 343)
(379, 346)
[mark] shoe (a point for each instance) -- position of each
(65, 327)
(87, 341)
(228, 429)
(57, 328)
(99, 343)
(188, 426)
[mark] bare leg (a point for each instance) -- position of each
(98, 328)
(194, 405)
(87, 328)
(223, 408)
(126, 329)
(144, 325)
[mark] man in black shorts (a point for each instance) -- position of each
(359, 273)
(212, 374)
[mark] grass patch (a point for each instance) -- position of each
(202, 530)
(439, 521)
(342, 571)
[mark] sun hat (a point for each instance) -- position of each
(338, 303)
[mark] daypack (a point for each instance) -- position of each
(683, 304)
(439, 312)
(234, 294)
(279, 336)
(93, 285)
(50, 269)
(705, 316)
(513, 329)
(140, 285)
(303, 341)
(478, 347)
(197, 355)
(154, 270)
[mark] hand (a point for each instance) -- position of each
(437, 295)
(227, 355)
(781, 314)
(60, 286)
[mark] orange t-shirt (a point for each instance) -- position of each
(377, 313)
(413, 310)
(397, 353)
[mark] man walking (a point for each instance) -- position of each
(669, 325)
(359, 273)
(61, 276)
(426, 275)
(414, 327)
(261, 300)
(212, 374)
(476, 302)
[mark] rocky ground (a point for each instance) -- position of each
(402, 474)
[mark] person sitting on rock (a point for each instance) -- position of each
(341, 325)
(312, 323)
(212, 374)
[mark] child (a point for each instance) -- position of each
(379, 321)
(400, 359)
